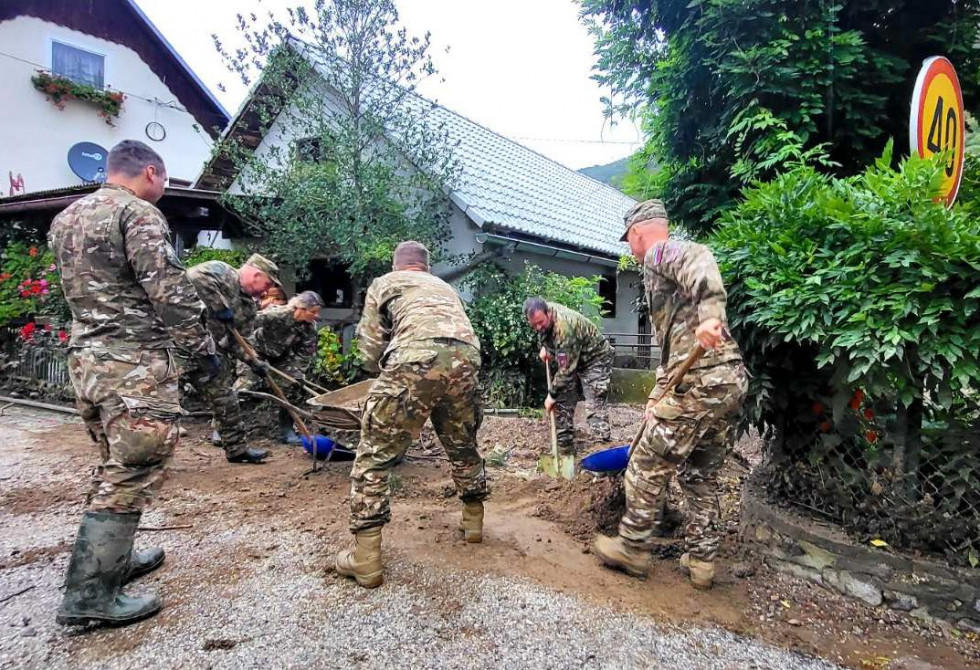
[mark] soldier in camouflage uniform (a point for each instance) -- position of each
(415, 331)
(229, 296)
(285, 338)
(690, 429)
(132, 305)
(583, 355)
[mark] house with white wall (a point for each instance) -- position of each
(98, 47)
(506, 196)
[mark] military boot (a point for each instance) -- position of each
(247, 455)
(621, 554)
(100, 561)
(287, 432)
(143, 562)
(702, 573)
(472, 523)
(363, 562)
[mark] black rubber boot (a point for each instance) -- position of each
(143, 562)
(249, 455)
(100, 561)
(287, 432)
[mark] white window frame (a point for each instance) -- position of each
(86, 48)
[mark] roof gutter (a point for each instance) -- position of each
(545, 250)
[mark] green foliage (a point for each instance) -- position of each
(201, 254)
(331, 364)
(368, 167)
(730, 91)
(30, 284)
(513, 371)
(857, 306)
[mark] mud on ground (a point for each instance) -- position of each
(537, 529)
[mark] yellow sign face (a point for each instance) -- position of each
(937, 124)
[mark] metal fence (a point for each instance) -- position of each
(922, 497)
(634, 350)
(30, 362)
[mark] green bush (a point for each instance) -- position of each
(200, 254)
(857, 304)
(513, 375)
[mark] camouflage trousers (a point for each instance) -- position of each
(219, 394)
(437, 381)
(689, 435)
(130, 403)
(594, 378)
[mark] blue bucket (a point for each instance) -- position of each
(325, 445)
(607, 460)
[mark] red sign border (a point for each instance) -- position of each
(931, 68)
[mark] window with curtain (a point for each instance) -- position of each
(82, 67)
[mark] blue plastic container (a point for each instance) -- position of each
(607, 460)
(325, 445)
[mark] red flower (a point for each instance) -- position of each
(32, 252)
(47, 328)
(25, 294)
(825, 427)
(871, 436)
(35, 289)
(817, 408)
(869, 414)
(27, 332)
(62, 336)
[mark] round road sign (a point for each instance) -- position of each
(937, 125)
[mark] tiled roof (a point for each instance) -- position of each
(509, 187)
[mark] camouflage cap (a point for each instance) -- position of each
(643, 211)
(262, 263)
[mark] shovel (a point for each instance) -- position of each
(555, 464)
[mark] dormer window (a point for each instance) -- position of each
(82, 67)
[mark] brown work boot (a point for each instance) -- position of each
(620, 554)
(363, 562)
(472, 524)
(702, 573)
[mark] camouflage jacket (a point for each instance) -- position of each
(281, 340)
(122, 280)
(574, 343)
(684, 288)
(218, 285)
(406, 307)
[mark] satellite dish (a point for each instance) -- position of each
(88, 161)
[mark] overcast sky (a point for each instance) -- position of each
(520, 67)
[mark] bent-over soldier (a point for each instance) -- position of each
(285, 338)
(415, 331)
(583, 355)
(132, 305)
(229, 296)
(689, 429)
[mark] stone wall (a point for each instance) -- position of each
(820, 553)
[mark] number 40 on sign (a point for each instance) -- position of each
(937, 124)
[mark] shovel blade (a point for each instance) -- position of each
(562, 466)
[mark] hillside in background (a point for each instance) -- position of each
(611, 173)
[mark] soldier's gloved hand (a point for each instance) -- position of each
(211, 364)
(260, 368)
(225, 315)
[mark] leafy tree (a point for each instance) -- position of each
(365, 166)
(730, 91)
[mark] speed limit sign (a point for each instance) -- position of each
(937, 124)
